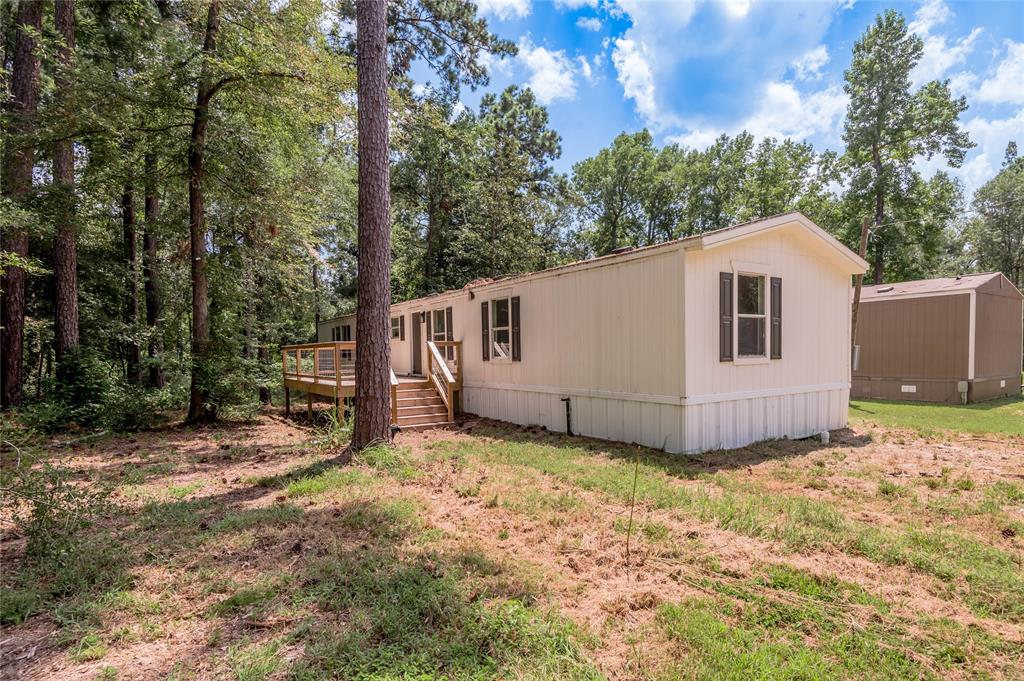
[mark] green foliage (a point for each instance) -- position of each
(995, 237)
(633, 194)
(475, 195)
(887, 127)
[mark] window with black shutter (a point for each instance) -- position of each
(725, 324)
(750, 315)
(776, 313)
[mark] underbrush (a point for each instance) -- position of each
(65, 556)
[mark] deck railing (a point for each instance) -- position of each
(333, 364)
(320, 362)
(451, 352)
(441, 376)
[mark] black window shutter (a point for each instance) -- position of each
(449, 332)
(401, 328)
(517, 350)
(485, 330)
(776, 303)
(725, 317)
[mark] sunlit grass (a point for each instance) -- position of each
(1005, 416)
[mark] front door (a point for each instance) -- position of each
(417, 343)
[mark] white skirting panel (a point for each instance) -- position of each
(692, 428)
(622, 420)
(736, 423)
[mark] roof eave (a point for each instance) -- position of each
(723, 237)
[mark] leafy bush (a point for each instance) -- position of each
(85, 394)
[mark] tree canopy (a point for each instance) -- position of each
(180, 187)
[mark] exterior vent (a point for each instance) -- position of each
(886, 289)
(620, 249)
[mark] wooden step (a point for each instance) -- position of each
(432, 408)
(418, 401)
(415, 385)
(418, 392)
(427, 426)
(422, 419)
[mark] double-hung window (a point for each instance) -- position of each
(441, 330)
(750, 315)
(501, 329)
(395, 327)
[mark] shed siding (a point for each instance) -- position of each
(731, 404)
(923, 338)
(998, 336)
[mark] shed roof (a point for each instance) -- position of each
(962, 283)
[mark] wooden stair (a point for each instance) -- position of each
(420, 406)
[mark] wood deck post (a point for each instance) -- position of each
(287, 402)
(309, 405)
(337, 369)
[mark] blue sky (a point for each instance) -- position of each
(689, 71)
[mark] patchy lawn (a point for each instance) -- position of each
(1005, 416)
(242, 551)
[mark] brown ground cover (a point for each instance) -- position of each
(242, 551)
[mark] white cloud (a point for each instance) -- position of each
(1007, 85)
(585, 70)
(737, 8)
(785, 112)
(782, 112)
(698, 138)
(575, 4)
(551, 72)
(991, 136)
(635, 76)
(504, 9)
(940, 53)
(962, 83)
(589, 23)
(810, 63)
(661, 52)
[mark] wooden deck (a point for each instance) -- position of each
(328, 370)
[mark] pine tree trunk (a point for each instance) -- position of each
(199, 408)
(131, 307)
(65, 251)
(155, 377)
(373, 350)
(15, 183)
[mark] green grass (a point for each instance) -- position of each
(988, 579)
(1004, 416)
(425, 618)
(789, 624)
(254, 662)
(330, 480)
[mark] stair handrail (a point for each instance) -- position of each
(444, 382)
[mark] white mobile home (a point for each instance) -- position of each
(712, 341)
